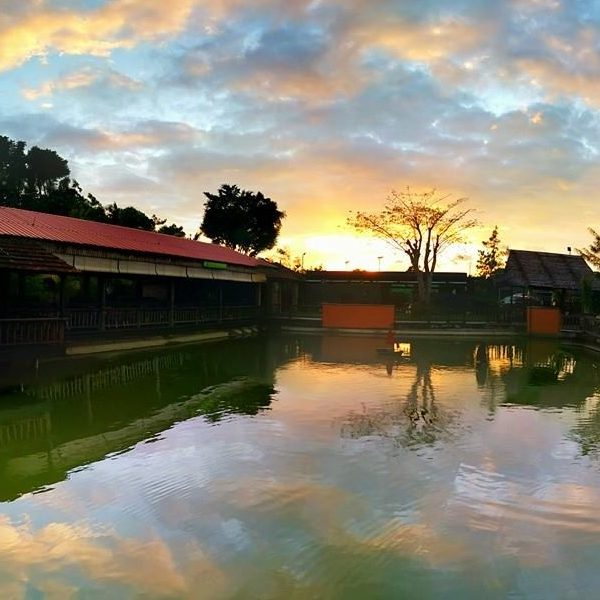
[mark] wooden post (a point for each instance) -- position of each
(62, 296)
(220, 301)
(172, 302)
(102, 290)
(21, 289)
(4, 291)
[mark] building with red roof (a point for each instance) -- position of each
(100, 276)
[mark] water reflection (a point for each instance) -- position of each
(537, 373)
(101, 407)
(417, 419)
(305, 467)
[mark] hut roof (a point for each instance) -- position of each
(527, 268)
(28, 255)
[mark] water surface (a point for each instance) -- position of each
(304, 467)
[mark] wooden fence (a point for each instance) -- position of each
(37, 331)
(141, 318)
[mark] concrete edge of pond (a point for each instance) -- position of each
(124, 345)
(157, 341)
(454, 332)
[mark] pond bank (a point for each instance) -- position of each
(80, 347)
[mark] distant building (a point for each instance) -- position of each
(379, 287)
(545, 278)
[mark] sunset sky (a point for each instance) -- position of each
(323, 105)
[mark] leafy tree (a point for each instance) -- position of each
(39, 180)
(592, 252)
(491, 257)
(174, 230)
(240, 219)
(129, 217)
(419, 224)
(13, 171)
(68, 200)
(45, 168)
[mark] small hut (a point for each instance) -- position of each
(547, 279)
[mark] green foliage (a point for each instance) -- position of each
(240, 219)
(39, 179)
(13, 170)
(45, 170)
(592, 252)
(491, 257)
(129, 217)
(174, 230)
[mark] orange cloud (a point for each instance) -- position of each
(119, 24)
(424, 42)
(145, 566)
(81, 79)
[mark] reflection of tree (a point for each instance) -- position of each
(416, 421)
(241, 396)
(557, 380)
(421, 408)
(480, 358)
(109, 405)
(587, 431)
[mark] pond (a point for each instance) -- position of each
(304, 467)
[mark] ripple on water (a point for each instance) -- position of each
(492, 501)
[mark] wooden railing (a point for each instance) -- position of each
(494, 316)
(138, 318)
(40, 331)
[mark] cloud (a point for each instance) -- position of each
(147, 566)
(96, 32)
(326, 103)
(83, 78)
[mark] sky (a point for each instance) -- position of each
(323, 105)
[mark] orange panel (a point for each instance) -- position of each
(542, 320)
(358, 316)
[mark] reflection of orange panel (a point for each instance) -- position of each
(358, 316)
(351, 349)
(542, 320)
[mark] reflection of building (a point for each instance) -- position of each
(48, 429)
(538, 373)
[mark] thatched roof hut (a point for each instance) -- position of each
(546, 270)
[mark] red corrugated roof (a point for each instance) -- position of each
(55, 228)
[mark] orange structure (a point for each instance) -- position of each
(358, 316)
(543, 320)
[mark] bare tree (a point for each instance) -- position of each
(421, 225)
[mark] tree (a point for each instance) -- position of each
(13, 171)
(240, 219)
(129, 217)
(45, 168)
(419, 224)
(283, 256)
(491, 257)
(174, 230)
(68, 200)
(39, 180)
(592, 252)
